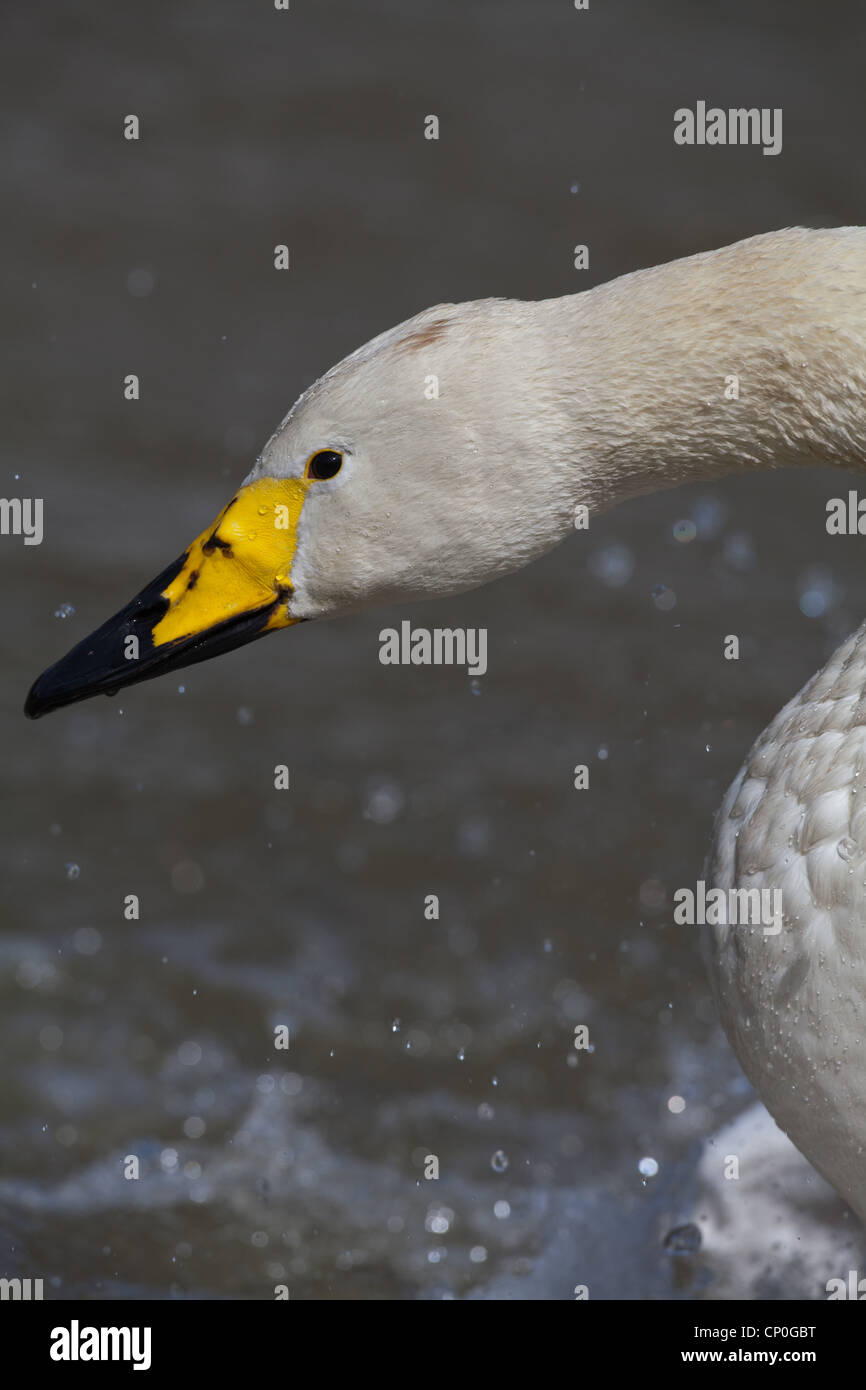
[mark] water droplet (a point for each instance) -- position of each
(846, 848)
(383, 801)
(647, 1167)
(64, 611)
(664, 598)
(475, 686)
(72, 871)
(818, 592)
(613, 565)
(739, 552)
(499, 1161)
(395, 1026)
(685, 531)
(140, 283)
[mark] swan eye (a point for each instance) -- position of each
(325, 464)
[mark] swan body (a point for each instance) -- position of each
(456, 447)
(794, 1003)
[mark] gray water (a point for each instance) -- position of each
(154, 1038)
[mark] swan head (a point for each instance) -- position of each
(408, 471)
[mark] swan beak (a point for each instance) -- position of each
(231, 586)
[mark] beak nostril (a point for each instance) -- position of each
(215, 542)
(149, 613)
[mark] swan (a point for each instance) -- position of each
(462, 444)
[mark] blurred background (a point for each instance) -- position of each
(154, 1037)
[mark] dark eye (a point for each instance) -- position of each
(325, 464)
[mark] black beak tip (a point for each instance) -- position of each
(46, 695)
(52, 691)
(35, 706)
(97, 665)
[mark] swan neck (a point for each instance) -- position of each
(747, 358)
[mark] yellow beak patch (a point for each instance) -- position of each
(240, 564)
